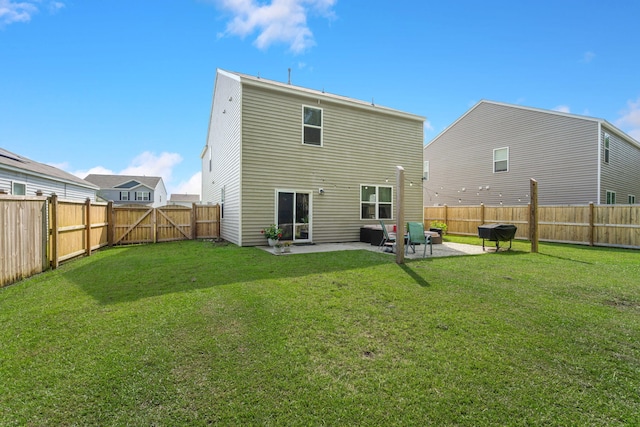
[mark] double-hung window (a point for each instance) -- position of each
(611, 197)
(606, 148)
(124, 195)
(376, 202)
(501, 160)
(312, 126)
(143, 196)
(632, 199)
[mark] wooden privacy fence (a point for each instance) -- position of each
(39, 232)
(601, 225)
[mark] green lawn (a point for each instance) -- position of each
(195, 333)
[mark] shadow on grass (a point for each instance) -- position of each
(121, 274)
(414, 275)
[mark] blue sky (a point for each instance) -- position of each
(125, 86)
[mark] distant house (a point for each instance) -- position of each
(490, 154)
(184, 199)
(130, 190)
(318, 165)
(20, 176)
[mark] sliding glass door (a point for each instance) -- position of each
(294, 215)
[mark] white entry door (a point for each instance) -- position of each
(294, 215)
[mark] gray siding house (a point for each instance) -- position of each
(490, 154)
(20, 176)
(130, 190)
(184, 199)
(318, 165)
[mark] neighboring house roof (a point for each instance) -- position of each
(123, 181)
(190, 198)
(17, 163)
(286, 87)
(602, 122)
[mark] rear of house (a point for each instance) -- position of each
(318, 165)
(130, 189)
(490, 154)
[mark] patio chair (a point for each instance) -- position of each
(416, 236)
(388, 239)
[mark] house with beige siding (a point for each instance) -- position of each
(319, 165)
(492, 151)
(20, 176)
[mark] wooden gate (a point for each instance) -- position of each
(137, 224)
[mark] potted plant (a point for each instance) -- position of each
(439, 227)
(286, 247)
(272, 233)
(277, 248)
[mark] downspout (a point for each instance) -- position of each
(598, 178)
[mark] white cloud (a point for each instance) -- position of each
(98, 170)
(588, 57)
(562, 109)
(22, 11)
(280, 21)
(630, 120)
(428, 126)
(149, 164)
(192, 186)
(11, 11)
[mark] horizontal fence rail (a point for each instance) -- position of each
(39, 232)
(604, 225)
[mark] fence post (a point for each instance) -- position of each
(592, 226)
(111, 229)
(53, 201)
(481, 213)
(446, 214)
(400, 226)
(533, 216)
(87, 206)
(194, 224)
(154, 225)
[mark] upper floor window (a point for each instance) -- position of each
(425, 170)
(143, 195)
(611, 197)
(124, 195)
(606, 148)
(312, 126)
(376, 202)
(18, 189)
(501, 159)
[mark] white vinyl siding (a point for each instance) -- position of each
(37, 184)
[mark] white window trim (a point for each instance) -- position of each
(14, 183)
(610, 197)
(631, 198)
(425, 170)
(143, 199)
(377, 201)
(127, 198)
(321, 127)
(494, 159)
(606, 146)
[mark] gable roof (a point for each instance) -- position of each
(115, 181)
(298, 90)
(18, 163)
(602, 122)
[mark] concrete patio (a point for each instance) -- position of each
(440, 250)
